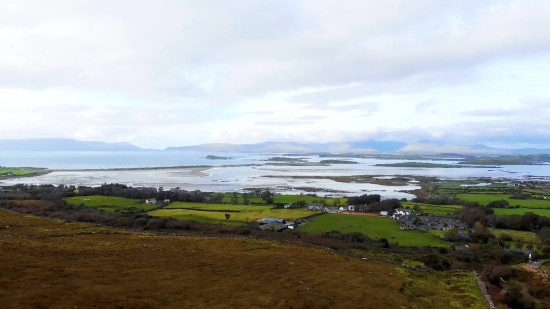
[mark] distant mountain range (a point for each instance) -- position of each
(360, 147)
(62, 144)
(369, 146)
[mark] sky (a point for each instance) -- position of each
(173, 72)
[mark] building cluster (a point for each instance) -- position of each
(278, 224)
(408, 220)
(327, 209)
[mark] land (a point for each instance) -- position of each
(338, 162)
(429, 165)
(239, 215)
(72, 265)
(374, 227)
(486, 198)
(109, 203)
(510, 160)
(212, 157)
(20, 172)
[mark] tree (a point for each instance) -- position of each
(217, 198)
(336, 202)
(227, 216)
(269, 200)
(544, 235)
(246, 199)
(417, 209)
(416, 221)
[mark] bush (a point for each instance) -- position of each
(156, 224)
(505, 237)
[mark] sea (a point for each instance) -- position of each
(240, 172)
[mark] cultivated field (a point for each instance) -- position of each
(237, 218)
(109, 203)
(91, 267)
(374, 227)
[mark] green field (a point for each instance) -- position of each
(374, 227)
(521, 211)
(214, 207)
(529, 237)
(109, 203)
(236, 217)
(486, 198)
(285, 199)
(434, 209)
(15, 172)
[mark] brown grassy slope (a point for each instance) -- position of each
(80, 266)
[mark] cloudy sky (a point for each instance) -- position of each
(173, 72)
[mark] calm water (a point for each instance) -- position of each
(220, 178)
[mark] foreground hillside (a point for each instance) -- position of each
(50, 264)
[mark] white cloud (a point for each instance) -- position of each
(172, 72)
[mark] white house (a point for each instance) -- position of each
(288, 205)
(167, 201)
(383, 214)
(151, 201)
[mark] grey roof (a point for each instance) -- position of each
(277, 226)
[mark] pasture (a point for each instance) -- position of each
(109, 203)
(486, 198)
(374, 227)
(237, 218)
(104, 268)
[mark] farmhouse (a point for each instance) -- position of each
(315, 207)
(276, 226)
(151, 201)
(288, 206)
(271, 220)
(383, 214)
(167, 201)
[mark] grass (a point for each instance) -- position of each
(15, 172)
(103, 268)
(285, 199)
(237, 218)
(517, 235)
(109, 203)
(374, 227)
(213, 207)
(521, 211)
(434, 209)
(486, 198)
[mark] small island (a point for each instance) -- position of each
(211, 157)
(283, 159)
(430, 165)
(338, 162)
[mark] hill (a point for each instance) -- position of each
(62, 144)
(79, 265)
